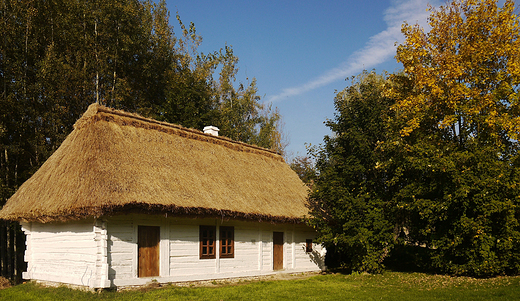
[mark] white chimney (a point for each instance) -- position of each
(212, 130)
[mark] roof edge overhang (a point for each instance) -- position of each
(156, 209)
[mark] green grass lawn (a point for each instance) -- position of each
(388, 286)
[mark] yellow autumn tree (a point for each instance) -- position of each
(465, 70)
(454, 160)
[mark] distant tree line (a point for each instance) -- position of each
(423, 166)
(57, 57)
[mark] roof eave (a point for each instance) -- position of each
(156, 209)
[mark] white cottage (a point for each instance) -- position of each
(126, 200)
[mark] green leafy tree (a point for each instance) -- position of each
(456, 155)
(305, 169)
(189, 90)
(57, 57)
(242, 116)
(349, 203)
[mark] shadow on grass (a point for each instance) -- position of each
(409, 258)
(403, 258)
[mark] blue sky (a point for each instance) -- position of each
(301, 52)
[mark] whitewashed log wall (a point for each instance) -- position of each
(72, 252)
(180, 250)
(103, 252)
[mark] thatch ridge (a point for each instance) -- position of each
(116, 162)
(93, 115)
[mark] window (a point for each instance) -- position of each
(207, 237)
(207, 242)
(308, 245)
(227, 242)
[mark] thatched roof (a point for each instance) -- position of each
(115, 162)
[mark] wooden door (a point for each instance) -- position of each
(148, 238)
(277, 250)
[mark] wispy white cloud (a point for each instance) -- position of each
(377, 50)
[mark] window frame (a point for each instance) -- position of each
(227, 242)
(211, 237)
